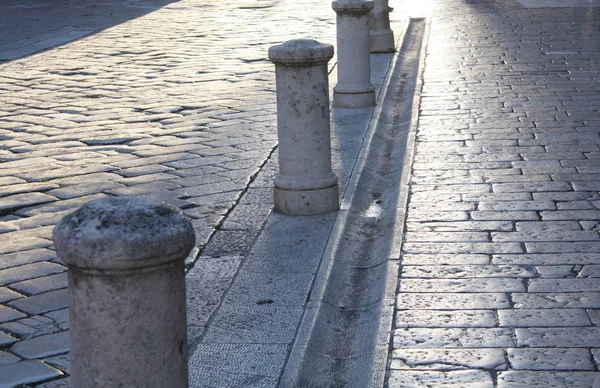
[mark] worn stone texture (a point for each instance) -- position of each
(499, 267)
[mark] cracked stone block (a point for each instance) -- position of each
(30, 327)
(551, 359)
(448, 359)
(26, 372)
(42, 303)
(60, 318)
(42, 346)
(60, 362)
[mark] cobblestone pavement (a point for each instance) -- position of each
(176, 105)
(499, 281)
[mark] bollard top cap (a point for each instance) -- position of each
(352, 6)
(301, 52)
(123, 233)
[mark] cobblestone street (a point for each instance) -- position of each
(499, 269)
(177, 105)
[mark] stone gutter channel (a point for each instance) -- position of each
(312, 304)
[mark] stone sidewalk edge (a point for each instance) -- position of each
(292, 368)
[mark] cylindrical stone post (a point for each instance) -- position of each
(382, 36)
(126, 292)
(305, 184)
(354, 88)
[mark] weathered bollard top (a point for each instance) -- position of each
(123, 233)
(300, 52)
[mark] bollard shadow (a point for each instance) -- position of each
(33, 26)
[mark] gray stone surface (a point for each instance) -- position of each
(503, 162)
(126, 285)
(507, 130)
(31, 371)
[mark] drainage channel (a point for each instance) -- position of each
(343, 339)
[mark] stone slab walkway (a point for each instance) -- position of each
(498, 283)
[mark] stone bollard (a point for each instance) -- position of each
(354, 88)
(382, 36)
(305, 185)
(126, 292)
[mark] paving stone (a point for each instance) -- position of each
(25, 372)
(64, 205)
(548, 259)
(519, 215)
(8, 358)
(564, 285)
(576, 215)
(447, 236)
(462, 226)
(25, 257)
(471, 285)
(6, 339)
(543, 226)
(462, 247)
(552, 337)
(590, 271)
(453, 337)
(466, 379)
(60, 362)
(547, 379)
(447, 359)
(17, 201)
(29, 271)
(41, 303)
(450, 301)
(444, 259)
(84, 189)
(30, 327)
(556, 271)
(60, 318)
(445, 318)
(41, 284)
(465, 271)
(27, 188)
(8, 314)
(42, 346)
(6, 295)
(552, 300)
(546, 235)
(543, 317)
(550, 359)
